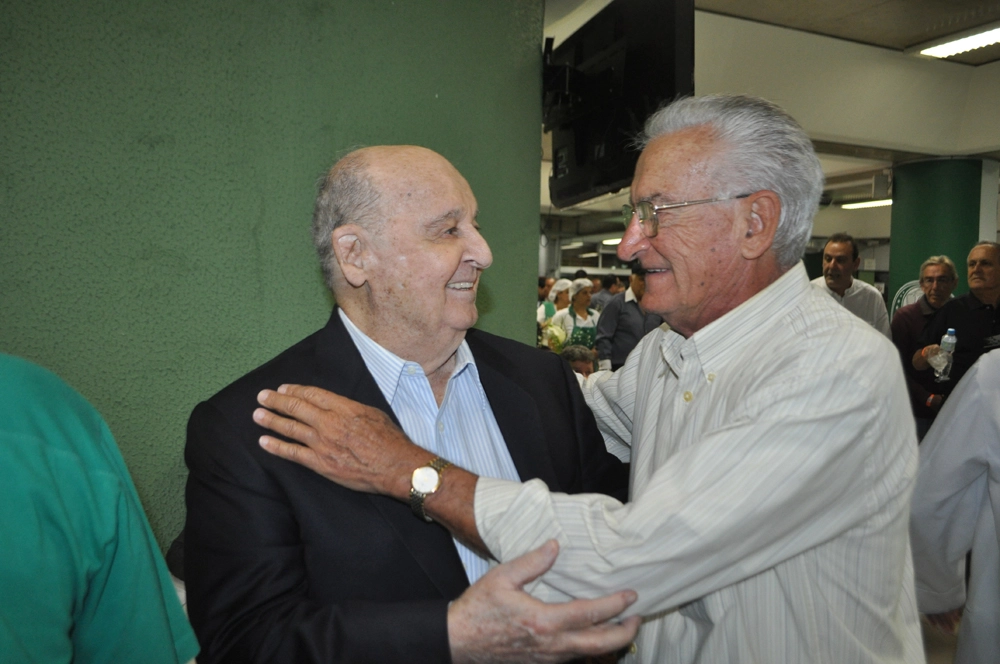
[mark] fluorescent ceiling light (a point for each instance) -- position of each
(867, 204)
(959, 42)
(962, 45)
(612, 242)
(572, 245)
(592, 254)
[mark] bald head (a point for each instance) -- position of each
(397, 229)
(369, 185)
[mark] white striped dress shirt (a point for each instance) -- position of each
(463, 430)
(956, 508)
(773, 456)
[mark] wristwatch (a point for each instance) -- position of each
(424, 481)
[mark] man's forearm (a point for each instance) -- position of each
(452, 505)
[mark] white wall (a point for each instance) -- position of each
(870, 222)
(981, 117)
(851, 93)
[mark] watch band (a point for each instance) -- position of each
(417, 497)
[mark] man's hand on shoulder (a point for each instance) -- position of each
(359, 447)
(495, 621)
(351, 444)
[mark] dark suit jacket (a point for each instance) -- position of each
(283, 565)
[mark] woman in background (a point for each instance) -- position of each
(578, 320)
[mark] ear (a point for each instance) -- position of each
(350, 247)
(857, 264)
(762, 211)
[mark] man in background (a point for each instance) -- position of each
(610, 286)
(973, 316)
(938, 279)
(580, 359)
(840, 262)
(596, 286)
(544, 285)
(625, 322)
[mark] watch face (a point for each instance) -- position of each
(425, 479)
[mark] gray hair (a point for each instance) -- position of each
(988, 243)
(347, 195)
(766, 149)
(577, 354)
(943, 261)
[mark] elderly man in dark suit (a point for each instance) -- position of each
(284, 566)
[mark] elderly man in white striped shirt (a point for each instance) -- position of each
(773, 455)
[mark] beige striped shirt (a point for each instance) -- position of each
(773, 456)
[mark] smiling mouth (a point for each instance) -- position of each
(462, 285)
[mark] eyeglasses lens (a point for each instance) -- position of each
(647, 217)
(627, 211)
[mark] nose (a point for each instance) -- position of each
(477, 251)
(633, 241)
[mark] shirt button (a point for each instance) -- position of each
(711, 377)
(410, 370)
(688, 396)
(441, 427)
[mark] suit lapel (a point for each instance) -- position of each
(341, 369)
(516, 414)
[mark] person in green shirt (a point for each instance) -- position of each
(81, 576)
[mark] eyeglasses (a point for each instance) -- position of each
(649, 222)
(936, 280)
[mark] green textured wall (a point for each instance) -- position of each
(157, 173)
(935, 210)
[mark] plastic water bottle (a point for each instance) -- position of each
(942, 360)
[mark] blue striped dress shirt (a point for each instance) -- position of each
(463, 430)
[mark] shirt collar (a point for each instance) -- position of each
(853, 288)
(736, 333)
(925, 307)
(976, 303)
(629, 295)
(386, 367)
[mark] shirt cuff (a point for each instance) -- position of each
(491, 505)
(604, 365)
(933, 601)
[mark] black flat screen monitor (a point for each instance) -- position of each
(602, 83)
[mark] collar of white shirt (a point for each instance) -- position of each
(737, 332)
(386, 367)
